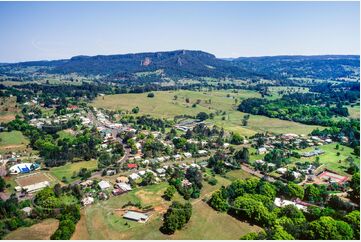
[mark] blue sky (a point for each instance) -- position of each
(53, 30)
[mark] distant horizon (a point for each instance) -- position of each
(131, 53)
(33, 31)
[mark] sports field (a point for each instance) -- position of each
(32, 178)
(167, 104)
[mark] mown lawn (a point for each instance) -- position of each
(69, 169)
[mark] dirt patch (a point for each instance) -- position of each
(33, 178)
(81, 229)
(39, 231)
(7, 118)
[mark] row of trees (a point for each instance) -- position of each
(252, 200)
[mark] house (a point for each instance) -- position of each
(27, 210)
(136, 216)
(87, 201)
(296, 174)
(225, 145)
(141, 173)
(111, 172)
(261, 150)
(118, 191)
(161, 159)
(132, 166)
(134, 176)
(102, 196)
(202, 152)
(123, 179)
(186, 183)
(261, 162)
(282, 203)
(103, 185)
(160, 170)
(177, 157)
(86, 183)
(123, 186)
(281, 170)
(187, 155)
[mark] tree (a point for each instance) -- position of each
(148, 179)
(176, 217)
(151, 95)
(353, 219)
(278, 233)
(294, 191)
(2, 184)
(236, 139)
(326, 228)
(218, 202)
(253, 210)
(57, 190)
(202, 116)
(355, 186)
(312, 193)
(169, 192)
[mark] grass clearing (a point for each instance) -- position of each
(39, 231)
(354, 111)
(13, 141)
(331, 160)
(8, 109)
(69, 169)
(101, 220)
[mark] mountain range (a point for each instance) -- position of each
(194, 63)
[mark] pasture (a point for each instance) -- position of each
(167, 104)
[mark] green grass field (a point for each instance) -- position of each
(164, 105)
(354, 111)
(68, 169)
(103, 221)
(330, 159)
(13, 141)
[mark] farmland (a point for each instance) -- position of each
(168, 104)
